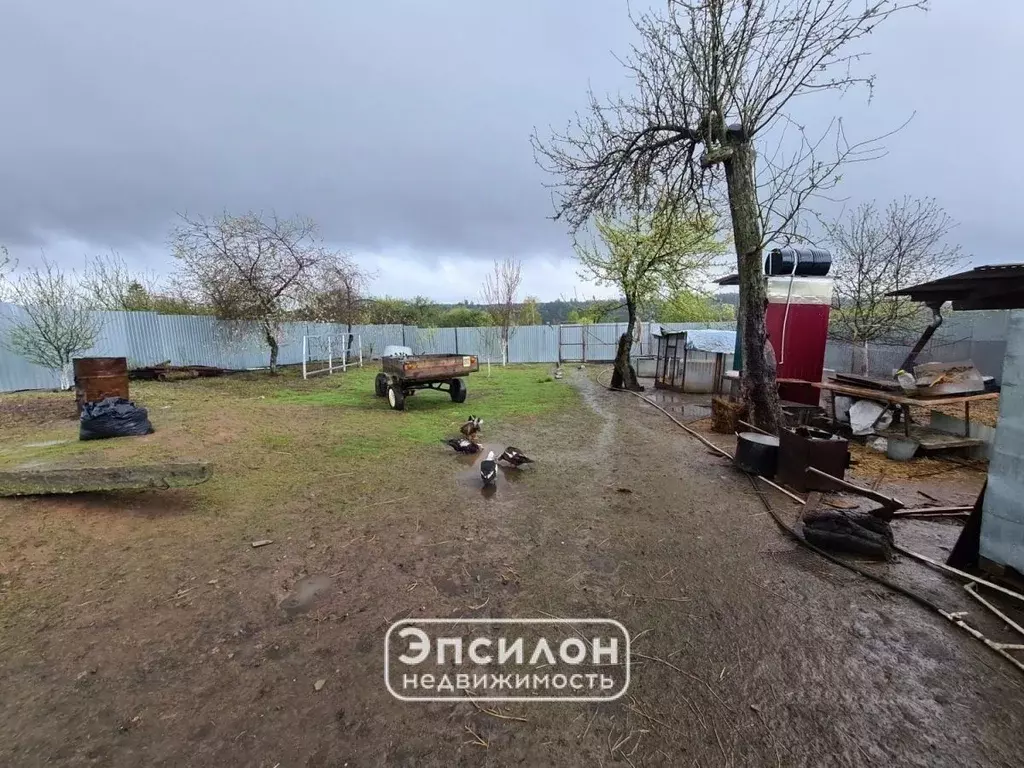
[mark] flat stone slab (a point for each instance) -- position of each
(41, 481)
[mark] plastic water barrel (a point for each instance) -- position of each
(800, 262)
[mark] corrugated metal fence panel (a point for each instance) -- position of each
(1002, 524)
(883, 359)
(602, 340)
(434, 341)
(15, 372)
(533, 344)
(376, 337)
(146, 338)
(570, 343)
(113, 338)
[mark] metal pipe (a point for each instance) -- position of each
(958, 572)
(925, 337)
(1010, 622)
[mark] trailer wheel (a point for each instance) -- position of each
(380, 385)
(396, 399)
(457, 390)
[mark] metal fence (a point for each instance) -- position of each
(1002, 524)
(978, 336)
(148, 338)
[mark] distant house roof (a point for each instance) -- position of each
(997, 286)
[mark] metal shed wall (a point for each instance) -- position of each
(1002, 527)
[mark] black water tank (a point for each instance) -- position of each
(808, 262)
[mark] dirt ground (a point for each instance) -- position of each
(180, 644)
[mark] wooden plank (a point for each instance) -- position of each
(62, 480)
(888, 501)
(889, 397)
(810, 506)
(853, 380)
(934, 511)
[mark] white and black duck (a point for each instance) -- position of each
(515, 457)
(489, 469)
(462, 444)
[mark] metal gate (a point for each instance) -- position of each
(594, 343)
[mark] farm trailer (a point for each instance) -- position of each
(402, 374)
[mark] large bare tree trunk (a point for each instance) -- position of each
(759, 388)
(623, 374)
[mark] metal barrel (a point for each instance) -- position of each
(100, 377)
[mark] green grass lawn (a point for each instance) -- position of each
(269, 437)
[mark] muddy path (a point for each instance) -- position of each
(748, 650)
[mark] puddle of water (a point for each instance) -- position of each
(45, 444)
(304, 594)
(676, 403)
(469, 479)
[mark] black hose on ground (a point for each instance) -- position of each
(921, 599)
(915, 596)
(953, 618)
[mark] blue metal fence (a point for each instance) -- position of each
(147, 338)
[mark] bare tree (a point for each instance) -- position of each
(57, 323)
(251, 268)
(646, 256)
(339, 294)
(500, 295)
(879, 251)
(110, 284)
(714, 80)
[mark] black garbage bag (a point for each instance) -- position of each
(113, 417)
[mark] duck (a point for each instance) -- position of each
(515, 457)
(462, 444)
(471, 427)
(489, 469)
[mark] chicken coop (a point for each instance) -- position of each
(693, 361)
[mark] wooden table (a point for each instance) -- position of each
(903, 401)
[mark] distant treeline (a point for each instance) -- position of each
(422, 312)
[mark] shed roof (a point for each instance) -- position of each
(995, 286)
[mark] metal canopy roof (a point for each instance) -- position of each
(997, 286)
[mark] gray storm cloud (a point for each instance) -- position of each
(406, 123)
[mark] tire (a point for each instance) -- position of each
(457, 390)
(396, 399)
(380, 385)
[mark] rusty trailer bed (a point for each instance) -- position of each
(429, 367)
(402, 376)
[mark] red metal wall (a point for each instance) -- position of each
(802, 356)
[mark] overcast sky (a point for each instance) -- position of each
(402, 126)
